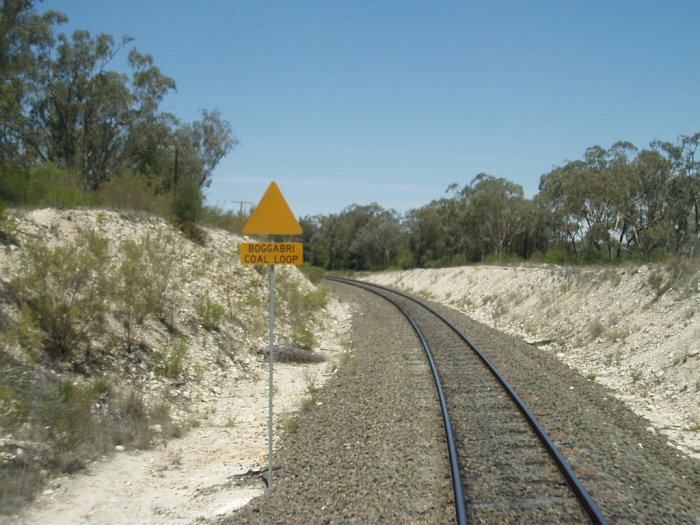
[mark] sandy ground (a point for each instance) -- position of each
(201, 475)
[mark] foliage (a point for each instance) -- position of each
(187, 209)
(142, 284)
(64, 287)
(312, 273)
(171, 363)
(62, 423)
(61, 104)
(210, 312)
(300, 304)
(226, 220)
(7, 227)
(613, 205)
(131, 191)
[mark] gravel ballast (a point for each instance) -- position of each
(372, 449)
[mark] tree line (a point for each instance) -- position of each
(612, 205)
(72, 125)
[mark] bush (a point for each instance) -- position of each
(187, 208)
(171, 364)
(210, 313)
(64, 287)
(300, 306)
(143, 282)
(55, 187)
(312, 273)
(130, 191)
(13, 186)
(7, 226)
(226, 220)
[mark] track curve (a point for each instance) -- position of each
(501, 501)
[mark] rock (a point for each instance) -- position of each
(120, 448)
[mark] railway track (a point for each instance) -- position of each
(505, 468)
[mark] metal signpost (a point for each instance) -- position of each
(272, 216)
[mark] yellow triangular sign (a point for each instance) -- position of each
(272, 216)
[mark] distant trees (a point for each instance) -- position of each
(624, 202)
(360, 237)
(61, 104)
(613, 204)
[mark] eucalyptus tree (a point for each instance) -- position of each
(495, 213)
(436, 234)
(26, 40)
(62, 102)
(646, 213)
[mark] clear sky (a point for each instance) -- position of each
(360, 101)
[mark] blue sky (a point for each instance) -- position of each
(353, 102)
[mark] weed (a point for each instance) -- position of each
(289, 423)
(307, 404)
(171, 364)
(656, 282)
(303, 337)
(636, 375)
(300, 307)
(8, 227)
(595, 328)
(694, 422)
(348, 363)
(310, 380)
(591, 376)
(28, 333)
(210, 313)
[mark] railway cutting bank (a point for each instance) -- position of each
(372, 449)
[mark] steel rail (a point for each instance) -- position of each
(457, 486)
(585, 500)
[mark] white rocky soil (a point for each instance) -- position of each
(633, 329)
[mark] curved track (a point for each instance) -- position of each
(505, 468)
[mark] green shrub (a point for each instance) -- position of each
(28, 333)
(300, 307)
(13, 186)
(210, 313)
(226, 220)
(65, 288)
(171, 364)
(131, 191)
(312, 273)
(303, 337)
(143, 282)
(187, 209)
(66, 413)
(7, 226)
(54, 187)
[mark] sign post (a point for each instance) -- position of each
(272, 216)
